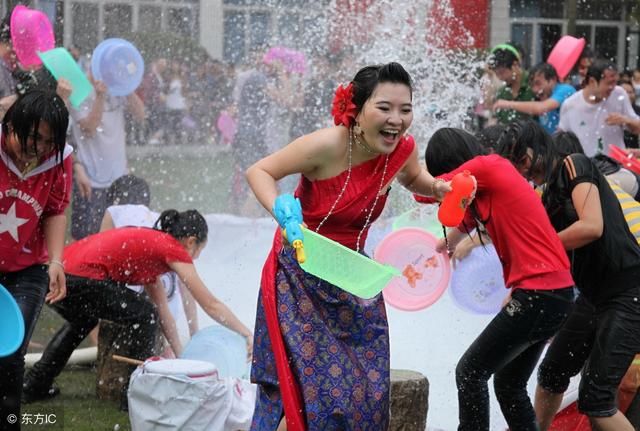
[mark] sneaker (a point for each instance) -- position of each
(29, 395)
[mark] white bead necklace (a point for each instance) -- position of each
(344, 188)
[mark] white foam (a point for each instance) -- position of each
(429, 341)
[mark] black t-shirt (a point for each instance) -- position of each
(610, 264)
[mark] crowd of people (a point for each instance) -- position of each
(546, 195)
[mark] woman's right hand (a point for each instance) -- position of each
(441, 246)
(462, 250)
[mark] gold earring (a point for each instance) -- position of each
(357, 130)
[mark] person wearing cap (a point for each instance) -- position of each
(505, 61)
(550, 95)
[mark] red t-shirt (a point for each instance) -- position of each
(528, 246)
(132, 255)
(25, 202)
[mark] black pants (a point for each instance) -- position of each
(86, 302)
(509, 347)
(28, 287)
(86, 214)
(601, 341)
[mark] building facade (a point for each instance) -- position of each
(536, 25)
(228, 29)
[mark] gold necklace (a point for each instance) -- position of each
(362, 145)
(344, 188)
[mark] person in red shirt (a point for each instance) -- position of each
(35, 184)
(601, 336)
(536, 269)
(98, 268)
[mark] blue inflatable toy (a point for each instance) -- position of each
(11, 324)
(222, 347)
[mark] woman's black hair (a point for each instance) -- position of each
(183, 224)
(129, 190)
(566, 143)
(449, 148)
(547, 158)
(368, 78)
(24, 116)
(523, 134)
(489, 136)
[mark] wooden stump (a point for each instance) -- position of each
(409, 401)
(111, 376)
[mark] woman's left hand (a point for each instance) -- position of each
(57, 284)
(249, 341)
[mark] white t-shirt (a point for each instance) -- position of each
(140, 215)
(588, 120)
(175, 100)
(103, 154)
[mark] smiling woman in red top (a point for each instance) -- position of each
(536, 269)
(98, 269)
(35, 185)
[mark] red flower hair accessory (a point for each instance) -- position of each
(343, 109)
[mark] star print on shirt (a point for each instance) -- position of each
(10, 223)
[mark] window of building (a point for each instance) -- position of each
(183, 21)
(91, 21)
(234, 36)
(85, 28)
(149, 18)
(257, 23)
(610, 10)
(536, 8)
(522, 35)
(606, 42)
(117, 20)
(549, 35)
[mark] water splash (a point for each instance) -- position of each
(418, 34)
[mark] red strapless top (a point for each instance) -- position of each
(350, 214)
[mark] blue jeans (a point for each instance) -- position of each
(29, 288)
(509, 348)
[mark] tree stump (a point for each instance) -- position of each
(409, 401)
(112, 375)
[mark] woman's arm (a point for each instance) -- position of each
(107, 222)
(54, 231)
(89, 124)
(418, 180)
(190, 309)
(158, 296)
(454, 236)
(211, 305)
(304, 156)
(135, 107)
(589, 226)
